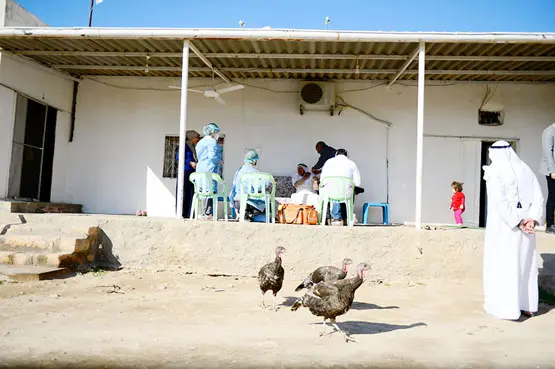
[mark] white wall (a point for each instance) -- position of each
(115, 164)
(7, 112)
(36, 83)
(48, 88)
(17, 16)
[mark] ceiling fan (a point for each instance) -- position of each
(212, 93)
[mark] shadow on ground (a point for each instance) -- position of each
(366, 306)
(289, 301)
(360, 327)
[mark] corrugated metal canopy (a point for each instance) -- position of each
(246, 54)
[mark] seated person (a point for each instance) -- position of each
(254, 206)
(340, 166)
(303, 181)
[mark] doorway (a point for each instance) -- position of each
(485, 160)
(32, 157)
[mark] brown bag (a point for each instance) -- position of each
(297, 214)
(310, 215)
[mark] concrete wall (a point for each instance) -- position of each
(117, 159)
(394, 253)
(17, 16)
(7, 113)
(45, 87)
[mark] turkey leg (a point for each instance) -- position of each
(323, 327)
(263, 304)
(345, 333)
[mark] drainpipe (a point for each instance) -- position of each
(73, 108)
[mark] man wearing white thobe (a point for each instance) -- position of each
(339, 166)
(515, 207)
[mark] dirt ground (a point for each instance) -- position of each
(168, 318)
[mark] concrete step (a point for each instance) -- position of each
(48, 220)
(45, 242)
(44, 229)
(18, 206)
(18, 273)
(32, 257)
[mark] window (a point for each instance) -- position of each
(171, 148)
(170, 153)
(490, 118)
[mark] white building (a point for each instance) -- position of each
(110, 158)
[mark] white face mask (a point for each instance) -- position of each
(216, 136)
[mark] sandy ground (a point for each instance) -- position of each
(172, 319)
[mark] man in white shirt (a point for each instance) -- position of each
(340, 166)
(303, 181)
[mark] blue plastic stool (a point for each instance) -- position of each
(385, 211)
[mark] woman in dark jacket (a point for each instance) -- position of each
(192, 138)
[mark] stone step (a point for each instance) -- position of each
(14, 206)
(44, 229)
(18, 273)
(46, 242)
(47, 220)
(32, 257)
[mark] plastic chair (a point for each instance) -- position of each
(206, 187)
(385, 211)
(337, 190)
(255, 186)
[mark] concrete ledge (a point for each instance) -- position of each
(394, 253)
(39, 207)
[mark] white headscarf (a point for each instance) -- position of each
(516, 178)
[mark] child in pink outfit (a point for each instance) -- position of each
(457, 202)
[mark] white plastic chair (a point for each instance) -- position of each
(205, 188)
(337, 190)
(255, 186)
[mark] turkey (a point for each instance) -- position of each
(325, 274)
(332, 299)
(270, 277)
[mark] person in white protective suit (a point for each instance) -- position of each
(515, 208)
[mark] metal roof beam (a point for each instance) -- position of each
(208, 63)
(405, 66)
(283, 56)
(271, 34)
(309, 70)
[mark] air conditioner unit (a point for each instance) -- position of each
(319, 96)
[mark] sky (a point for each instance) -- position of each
(369, 15)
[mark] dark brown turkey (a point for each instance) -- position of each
(325, 274)
(270, 277)
(332, 299)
